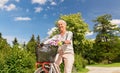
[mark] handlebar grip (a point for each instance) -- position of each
(42, 44)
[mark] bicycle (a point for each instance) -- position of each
(45, 59)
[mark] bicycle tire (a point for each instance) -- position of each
(54, 69)
(51, 69)
(39, 70)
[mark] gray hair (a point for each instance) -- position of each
(62, 21)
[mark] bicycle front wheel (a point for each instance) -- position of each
(39, 70)
(50, 69)
(54, 69)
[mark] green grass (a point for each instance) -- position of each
(107, 65)
(83, 71)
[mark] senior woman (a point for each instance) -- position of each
(66, 51)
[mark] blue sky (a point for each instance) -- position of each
(22, 18)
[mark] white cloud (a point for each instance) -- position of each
(51, 30)
(39, 1)
(10, 7)
(62, 0)
(53, 3)
(89, 33)
(17, 0)
(2, 3)
(115, 21)
(22, 18)
(38, 9)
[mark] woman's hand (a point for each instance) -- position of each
(42, 44)
(67, 42)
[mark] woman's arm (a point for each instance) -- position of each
(69, 38)
(53, 38)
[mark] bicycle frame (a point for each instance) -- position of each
(51, 66)
(43, 65)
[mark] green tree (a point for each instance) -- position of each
(38, 39)
(4, 44)
(117, 50)
(4, 51)
(32, 38)
(105, 36)
(18, 61)
(15, 41)
(0, 35)
(24, 45)
(14, 59)
(31, 45)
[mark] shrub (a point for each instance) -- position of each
(18, 61)
(79, 63)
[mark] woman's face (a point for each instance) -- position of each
(61, 26)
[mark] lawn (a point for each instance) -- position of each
(83, 71)
(100, 65)
(107, 65)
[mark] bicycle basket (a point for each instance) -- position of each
(46, 53)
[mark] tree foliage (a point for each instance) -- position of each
(104, 51)
(3, 43)
(15, 41)
(18, 61)
(31, 45)
(15, 59)
(38, 39)
(0, 35)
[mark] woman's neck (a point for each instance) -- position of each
(62, 32)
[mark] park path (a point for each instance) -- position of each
(103, 69)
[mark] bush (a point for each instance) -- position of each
(18, 61)
(3, 54)
(79, 63)
(62, 68)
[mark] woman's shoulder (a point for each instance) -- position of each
(69, 32)
(56, 36)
